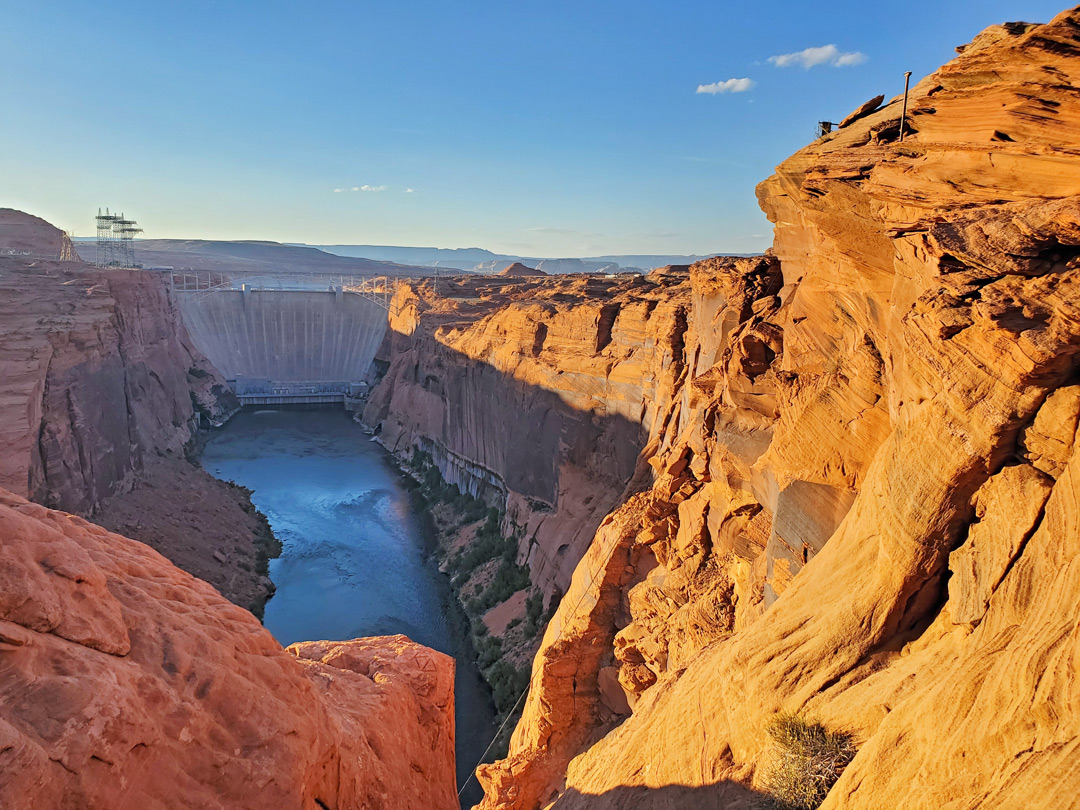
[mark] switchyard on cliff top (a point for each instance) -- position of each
(115, 239)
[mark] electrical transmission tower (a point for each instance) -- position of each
(126, 229)
(106, 242)
(115, 240)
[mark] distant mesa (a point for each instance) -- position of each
(259, 256)
(518, 269)
(479, 260)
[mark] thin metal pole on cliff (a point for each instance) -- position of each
(903, 115)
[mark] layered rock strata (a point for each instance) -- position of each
(99, 374)
(127, 683)
(865, 499)
(102, 396)
(534, 395)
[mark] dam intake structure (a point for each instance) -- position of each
(286, 339)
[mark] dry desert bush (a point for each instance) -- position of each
(806, 761)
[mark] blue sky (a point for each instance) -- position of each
(549, 128)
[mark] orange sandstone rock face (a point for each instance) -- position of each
(866, 491)
(127, 683)
(534, 394)
(98, 373)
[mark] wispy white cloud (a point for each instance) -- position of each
(338, 190)
(410, 191)
(366, 187)
(850, 59)
(821, 55)
(726, 86)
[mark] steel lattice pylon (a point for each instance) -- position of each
(115, 240)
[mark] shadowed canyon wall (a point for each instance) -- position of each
(534, 395)
(99, 375)
(865, 499)
(102, 391)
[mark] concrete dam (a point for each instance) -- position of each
(289, 344)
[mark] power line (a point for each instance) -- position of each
(558, 636)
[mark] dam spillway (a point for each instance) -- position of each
(283, 345)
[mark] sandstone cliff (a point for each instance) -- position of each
(865, 501)
(127, 683)
(535, 395)
(102, 394)
(99, 374)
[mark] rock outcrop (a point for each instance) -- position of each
(865, 497)
(127, 683)
(519, 269)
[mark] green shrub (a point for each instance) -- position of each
(507, 684)
(488, 650)
(488, 544)
(806, 760)
(508, 580)
(534, 609)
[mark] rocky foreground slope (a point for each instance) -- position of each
(865, 501)
(127, 683)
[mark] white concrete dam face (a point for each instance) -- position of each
(285, 335)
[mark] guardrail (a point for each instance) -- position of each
(199, 283)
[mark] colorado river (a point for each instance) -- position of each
(353, 561)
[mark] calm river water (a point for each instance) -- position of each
(355, 560)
